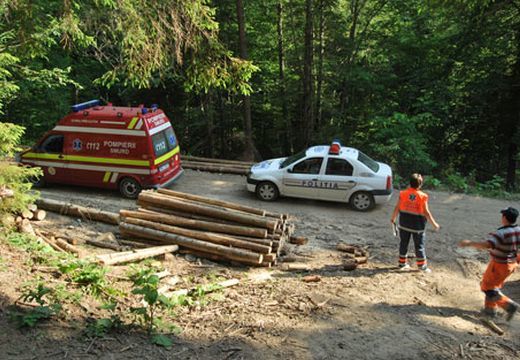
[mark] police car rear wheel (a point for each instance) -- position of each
(267, 191)
(129, 188)
(362, 201)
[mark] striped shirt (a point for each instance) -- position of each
(504, 243)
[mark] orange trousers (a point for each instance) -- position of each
(493, 280)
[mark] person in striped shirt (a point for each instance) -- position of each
(503, 249)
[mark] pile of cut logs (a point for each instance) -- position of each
(216, 165)
(209, 228)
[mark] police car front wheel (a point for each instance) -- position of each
(267, 191)
(362, 201)
(129, 188)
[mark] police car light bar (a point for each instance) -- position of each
(85, 105)
(335, 147)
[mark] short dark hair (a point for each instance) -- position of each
(510, 213)
(416, 180)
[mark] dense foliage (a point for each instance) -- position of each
(429, 86)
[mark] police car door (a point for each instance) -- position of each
(336, 182)
(300, 179)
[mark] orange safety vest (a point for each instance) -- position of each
(413, 201)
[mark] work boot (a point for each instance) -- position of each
(425, 269)
(511, 311)
(404, 267)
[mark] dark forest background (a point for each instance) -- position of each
(426, 86)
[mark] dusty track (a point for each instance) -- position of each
(375, 312)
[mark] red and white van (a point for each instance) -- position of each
(125, 148)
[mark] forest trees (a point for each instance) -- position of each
(425, 86)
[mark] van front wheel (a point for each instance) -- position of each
(129, 188)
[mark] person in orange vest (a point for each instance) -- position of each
(503, 248)
(413, 211)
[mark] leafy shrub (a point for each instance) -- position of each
(431, 182)
(456, 182)
(16, 178)
(44, 310)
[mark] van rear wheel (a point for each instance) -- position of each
(129, 188)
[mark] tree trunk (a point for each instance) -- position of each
(288, 141)
(319, 79)
(308, 88)
(512, 128)
(249, 152)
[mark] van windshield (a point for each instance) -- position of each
(164, 141)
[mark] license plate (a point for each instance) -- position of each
(164, 167)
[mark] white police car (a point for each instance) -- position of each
(333, 173)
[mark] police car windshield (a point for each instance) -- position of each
(292, 159)
(371, 164)
(164, 141)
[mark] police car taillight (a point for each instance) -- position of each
(388, 182)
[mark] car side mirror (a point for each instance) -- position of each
(289, 169)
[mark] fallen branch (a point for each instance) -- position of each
(128, 256)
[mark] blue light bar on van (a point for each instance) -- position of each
(85, 105)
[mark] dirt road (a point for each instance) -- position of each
(374, 312)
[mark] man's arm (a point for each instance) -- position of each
(429, 217)
(396, 211)
(482, 245)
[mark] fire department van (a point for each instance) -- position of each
(125, 148)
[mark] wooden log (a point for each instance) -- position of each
(27, 214)
(349, 265)
(216, 169)
(32, 207)
(361, 260)
(39, 214)
(266, 242)
(207, 211)
(51, 243)
(78, 211)
(206, 200)
(200, 235)
(150, 207)
(212, 160)
(25, 227)
(136, 244)
(296, 267)
(346, 248)
(195, 224)
(168, 238)
(9, 220)
(244, 169)
(270, 257)
(298, 240)
(105, 245)
(68, 247)
(120, 258)
(311, 278)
